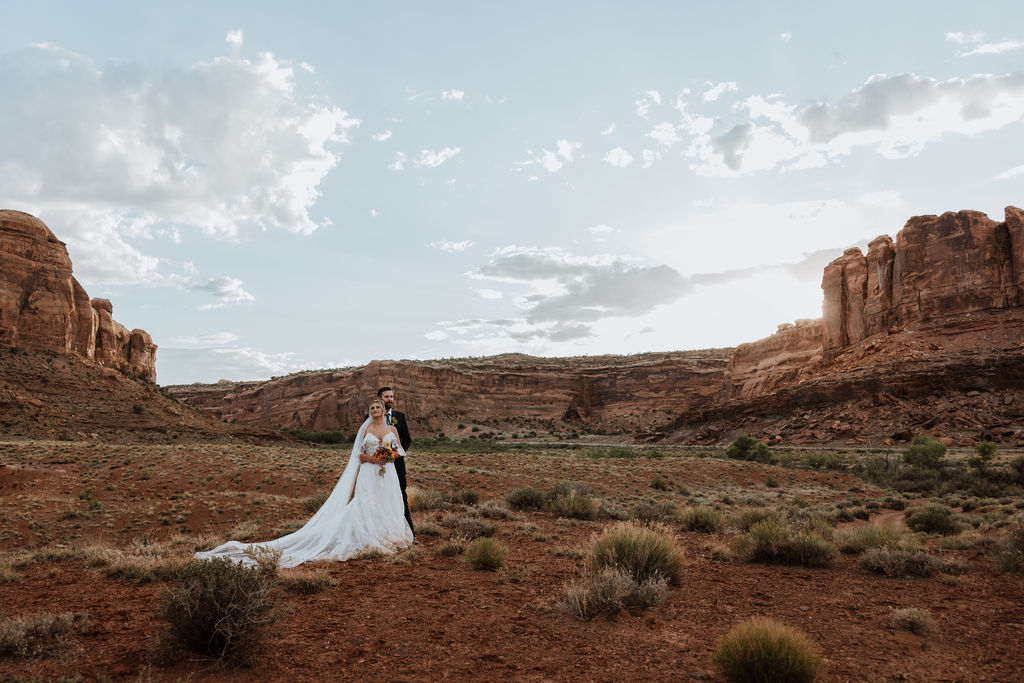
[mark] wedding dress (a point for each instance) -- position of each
(364, 513)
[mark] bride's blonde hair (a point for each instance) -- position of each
(378, 402)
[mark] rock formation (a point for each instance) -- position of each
(43, 307)
(924, 333)
(611, 394)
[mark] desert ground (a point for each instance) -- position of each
(96, 530)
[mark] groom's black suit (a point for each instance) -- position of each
(400, 424)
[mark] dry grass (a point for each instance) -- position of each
(486, 554)
(608, 591)
(305, 581)
(915, 620)
(897, 562)
(766, 651)
(642, 552)
(32, 635)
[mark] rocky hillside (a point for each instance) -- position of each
(924, 333)
(44, 308)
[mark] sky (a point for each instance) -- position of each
(268, 187)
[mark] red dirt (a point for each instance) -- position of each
(426, 616)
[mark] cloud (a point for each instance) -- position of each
(642, 106)
(974, 44)
(485, 293)
(898, 116)
(609, 130)
(452, 247)
(551, 160)
(234, 38)
(1011, 173)
(381, 137)
(786, 37)
(453, 95)
(432, 159)
(716, 91)
(399, 163)
(208, 340)
(221, 146)
(665, 133)
(619, 158)
(186, 362)
(601, 229)
(227, 291)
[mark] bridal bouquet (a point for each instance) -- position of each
(386, 452)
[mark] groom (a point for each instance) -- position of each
(393, 417)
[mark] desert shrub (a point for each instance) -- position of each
(748, 517)
(900, 562)
(766, 651)
(893, 501)
(567, 488)
(494, 509)
(925, 453)
(659, 484)
(653, 511)
(611, 589)
(316, 501)
(643, 552)
(915, 620)
(934, 518)
(746, 447)
(702, 518)
(306, 582)
(428, 528)
(8, 574)
(327, 437)
(1017, 469)
(860, 539)
(1008, 552)
(32, 635)
(526, 497)
(468, 527)
(220, 609)
(464, 497)
(774, 541)
(453, 546)
(612, 510)
(573, 505)
(485, 553)
(423, 499)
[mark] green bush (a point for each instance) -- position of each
(486, 554)
(702, 518)
(984, 453)
(746, 447)
(746, 518)
(775, 542)
(765, 651)
(925, 453)
(221, 609)
(328, 437)
(526, 498)
(934, 518)
(643, 552)
(659, 484)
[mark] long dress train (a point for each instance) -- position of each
(363, 514)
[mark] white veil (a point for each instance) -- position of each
(316, 537)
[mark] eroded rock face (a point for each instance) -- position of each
(43, 307)
(633, 394)
(939, 266)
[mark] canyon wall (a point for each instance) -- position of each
(606, 393)
(44, 308)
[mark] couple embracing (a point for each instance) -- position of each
(367, 511)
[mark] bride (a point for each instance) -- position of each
(364, 512)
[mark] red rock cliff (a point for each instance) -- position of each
(43, 307)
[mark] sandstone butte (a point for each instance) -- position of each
(924, 333)
(44, 308)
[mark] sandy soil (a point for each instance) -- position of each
(424, 616)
